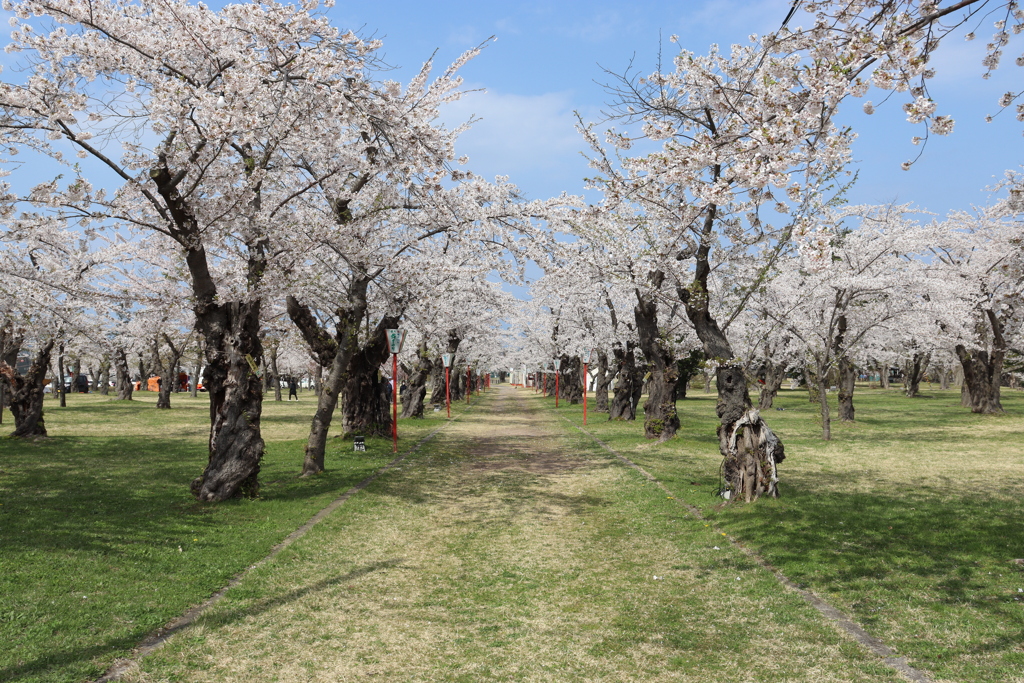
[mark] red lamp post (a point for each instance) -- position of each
(469, 387)
(558, 365)
(395, 340)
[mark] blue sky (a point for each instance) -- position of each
(548, 56)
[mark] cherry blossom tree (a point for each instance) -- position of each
(979, 275)
(220, 117)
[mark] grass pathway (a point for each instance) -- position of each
(509, 548)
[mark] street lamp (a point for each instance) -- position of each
(446, 358)
(396, 338)
(558, 365)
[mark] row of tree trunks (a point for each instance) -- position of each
(571, 380)
(167, 369)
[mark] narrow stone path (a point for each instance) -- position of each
(510, 548)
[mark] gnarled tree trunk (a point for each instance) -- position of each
(26, 393)
(232, 334)
(167, 369)
(774, 374)
(627, 383)
(416, 387)
(750, 450)
(104, 376)
(123, 377)
(912, 374)
(982, 373)
(660, 418)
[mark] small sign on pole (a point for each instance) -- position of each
(446, 358)
(396, 338)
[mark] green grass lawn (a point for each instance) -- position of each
(909, 520)
(101, 542)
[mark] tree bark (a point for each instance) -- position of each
(847, 384)
(104, 376)
(913, 373)
(26, 393)
(750, 450)
(774, 374)
(416, 389)
(231, 331)
(167, 369)
(622, 406)
(61, 381)
(661, 421)
(571, 382)
(123, 378)
(980, 390)
(275, 374)
(826, 416)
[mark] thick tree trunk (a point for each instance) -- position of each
(168, 371)
(883, 376)
(232, 334)
(750, 450)
(982, 373)
(622, 406)
(367, 395)
(104, 376)
(660, 418)
(601, 381)
(26, 393)
(275, 374)
(416, 389)
(774, 374)
(826, 416)
(10, 345)
(437, 393)
(123, 378)
(847, 384)
(943, 374)
(912, 374)
(62, 381)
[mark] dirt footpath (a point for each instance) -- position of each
(509, 549)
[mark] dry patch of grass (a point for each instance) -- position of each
(511, 550)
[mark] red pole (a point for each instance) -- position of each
(556, 388)
(545, 384)
(584, 394)
(394, 400)
(448, 390)
(469, 388)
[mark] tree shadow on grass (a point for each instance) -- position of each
(934, 549)
(229, 615)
